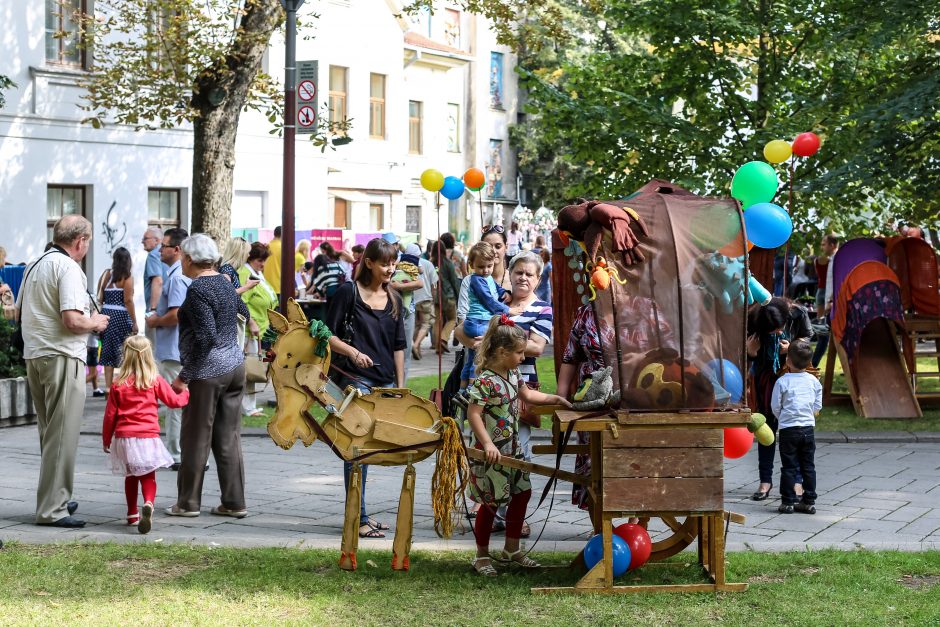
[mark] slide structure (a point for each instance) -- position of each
(867, 324)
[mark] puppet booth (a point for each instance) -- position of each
(654, 289)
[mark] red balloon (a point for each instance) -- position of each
(806, 144)
(738, 441)
(638, 539)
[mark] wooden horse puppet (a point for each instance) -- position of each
(387, 427)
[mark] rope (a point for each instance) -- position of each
(450, 478)
(321, 334)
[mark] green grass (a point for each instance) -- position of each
(158, 585)
(837, 418)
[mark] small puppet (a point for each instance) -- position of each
(618, 220)
(596, 391)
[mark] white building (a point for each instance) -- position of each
(434, 91)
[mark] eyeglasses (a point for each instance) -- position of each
(493, 228)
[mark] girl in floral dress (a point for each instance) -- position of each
(494, 419)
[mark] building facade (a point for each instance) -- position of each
(432, 91)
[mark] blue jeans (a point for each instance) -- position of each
(363, 385)
(797, 458)
(473, 327)
(822, 342)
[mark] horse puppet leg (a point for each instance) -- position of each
(401, 547)
(347, 558)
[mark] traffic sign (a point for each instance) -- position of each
(306, 91)
(306, 117)
(306, 96)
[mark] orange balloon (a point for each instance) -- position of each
(734, 248)
(474, 179)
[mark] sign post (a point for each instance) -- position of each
(290, 127)
(307, 81)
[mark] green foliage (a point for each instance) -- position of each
(644, 94)
(11, 360)
(5, 83)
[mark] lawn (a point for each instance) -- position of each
(836, 418)
(157, 584)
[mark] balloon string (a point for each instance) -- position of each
(786, 249)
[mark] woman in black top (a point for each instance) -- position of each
(213, 368)
(369, 339)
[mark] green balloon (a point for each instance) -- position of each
(754, 182)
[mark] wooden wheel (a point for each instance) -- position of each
(684, 533)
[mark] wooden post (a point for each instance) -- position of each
(347, 558)
(401, 547)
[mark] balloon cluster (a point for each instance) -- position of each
(755, 185)
(452, 187)
(631, 547)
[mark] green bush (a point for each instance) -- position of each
(11, 360)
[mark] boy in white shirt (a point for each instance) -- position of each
(796, 401)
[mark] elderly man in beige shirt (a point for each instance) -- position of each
(53, 306)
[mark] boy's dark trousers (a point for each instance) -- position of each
(797, 454)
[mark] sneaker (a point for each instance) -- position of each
(146, 518)
(97, 393)
(805, 508)
(785, 509)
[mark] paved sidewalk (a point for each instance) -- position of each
(879, 495)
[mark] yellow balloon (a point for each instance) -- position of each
(432, 180)
(777, 151)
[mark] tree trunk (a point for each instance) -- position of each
(214, 131)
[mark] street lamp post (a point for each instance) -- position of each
(290, 121)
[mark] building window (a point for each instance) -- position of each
(160, 21)
(163, 207)
(453, 127)
(413, 218)
(377, 106)
(63, 200)
(63, 34)
(376, 216)
(340, 213)
(496, 80)
(452, 28)
(414, 127)
(338, 77)
(494, 170)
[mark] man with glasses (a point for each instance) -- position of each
(154, 272)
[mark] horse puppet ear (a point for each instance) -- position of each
(295, 313)
(277, 321)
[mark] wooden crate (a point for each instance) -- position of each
(660, 470)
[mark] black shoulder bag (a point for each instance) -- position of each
(17, 339)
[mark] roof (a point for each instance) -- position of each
(416, 39)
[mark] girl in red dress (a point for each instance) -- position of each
(131, 431)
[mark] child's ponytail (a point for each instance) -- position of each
(138, 362)
(503, 333)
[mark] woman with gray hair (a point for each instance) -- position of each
(213, 368)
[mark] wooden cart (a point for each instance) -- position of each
(662, 465)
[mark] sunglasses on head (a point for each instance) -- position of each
(493, 228)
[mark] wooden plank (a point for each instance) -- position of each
(663, 462)
(663, 494)
(551, 449)
(664, 438)
(695, 420)
(403, 435)
(646, 589)
(538, 469)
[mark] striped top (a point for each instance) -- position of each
(536, 318)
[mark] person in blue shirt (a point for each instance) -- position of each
(154, 274)
(485, 298)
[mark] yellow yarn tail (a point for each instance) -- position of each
(450, 478)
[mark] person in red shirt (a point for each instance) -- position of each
(131, 431)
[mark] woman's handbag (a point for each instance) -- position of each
(256, 370)
(526, 416)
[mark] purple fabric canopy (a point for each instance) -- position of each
(850, 255)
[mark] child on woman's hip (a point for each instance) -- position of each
(485, 299)
(494, 420)
(131, 429)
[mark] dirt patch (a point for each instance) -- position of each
(143, 571)
(765, 579)
(919, 582)
(811, 570)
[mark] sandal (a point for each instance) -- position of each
(485, 570)
(377, 525)
(371, 532)
(256, 413)
(520, 558)
(526, 530)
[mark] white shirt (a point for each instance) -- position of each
(829, 267)
(55, 284)
(429, 280)
(796, 398)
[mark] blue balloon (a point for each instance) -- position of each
(453, 188)
(767, 224)
(594, 553)
(727, 376)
